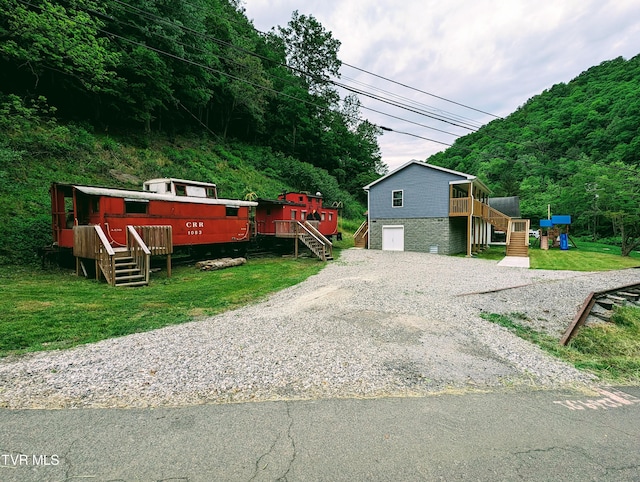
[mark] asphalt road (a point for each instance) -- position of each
(506, 435)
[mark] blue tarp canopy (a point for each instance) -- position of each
(561, 219)
(555, 220)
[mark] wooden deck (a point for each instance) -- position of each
(307, 232)
(128, 265)
(517, 229)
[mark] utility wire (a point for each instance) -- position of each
(112, 18)
(150, 15)
(429, 108)
(421, 91)
(357, 91)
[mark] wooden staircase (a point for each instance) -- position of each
(361, 236)
(124, 266)
(517, 231)
(306, 232)
(315, 241)
(518, 244)
(127, 272)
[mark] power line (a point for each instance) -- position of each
(442, 118)
(421, 91)
(112, 18)
(426, 107)
(389, 129)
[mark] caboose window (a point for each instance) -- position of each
(293, 214)
(95, 205)
(211, 192)
(322, 216)
(136, 206)
(232, 210)
(181, 190)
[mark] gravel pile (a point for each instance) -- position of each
(370, 324)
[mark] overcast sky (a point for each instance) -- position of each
(492, 55)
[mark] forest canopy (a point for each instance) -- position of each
(189, 66)
(575, 147)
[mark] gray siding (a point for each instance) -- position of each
(421, 234)
(425, 194)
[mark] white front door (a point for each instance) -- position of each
(393, 238)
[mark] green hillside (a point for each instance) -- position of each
(575, 147)
(113, 93)
(38, 152)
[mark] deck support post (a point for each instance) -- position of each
(469, 234)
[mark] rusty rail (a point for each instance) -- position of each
(586, 308)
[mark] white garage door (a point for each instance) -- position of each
(393, 238)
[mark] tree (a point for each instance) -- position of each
(311, 51)
(620, 201)
(56, 51)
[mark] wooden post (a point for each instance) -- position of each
(168, 266)
(469, 233)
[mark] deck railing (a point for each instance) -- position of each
(159, 239)
(519, 226)
(499, 220)
(289, 228)
(361, 236)
(91, 242)
(459, 206)
(140, 253)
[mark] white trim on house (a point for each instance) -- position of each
(468, 177)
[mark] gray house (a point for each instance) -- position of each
(421, 207)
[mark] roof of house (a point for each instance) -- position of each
(468, 177)
(506, 205)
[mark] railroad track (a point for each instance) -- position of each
(599, 305)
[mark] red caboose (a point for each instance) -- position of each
(198, 218)
(297, 216)
(290, 207)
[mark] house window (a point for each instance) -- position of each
(396, 199)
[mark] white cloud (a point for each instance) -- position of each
(489, 54)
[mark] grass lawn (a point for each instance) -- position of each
(587, 257)
(609, 350)
(50, 309)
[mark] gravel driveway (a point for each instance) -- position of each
(370, 324)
